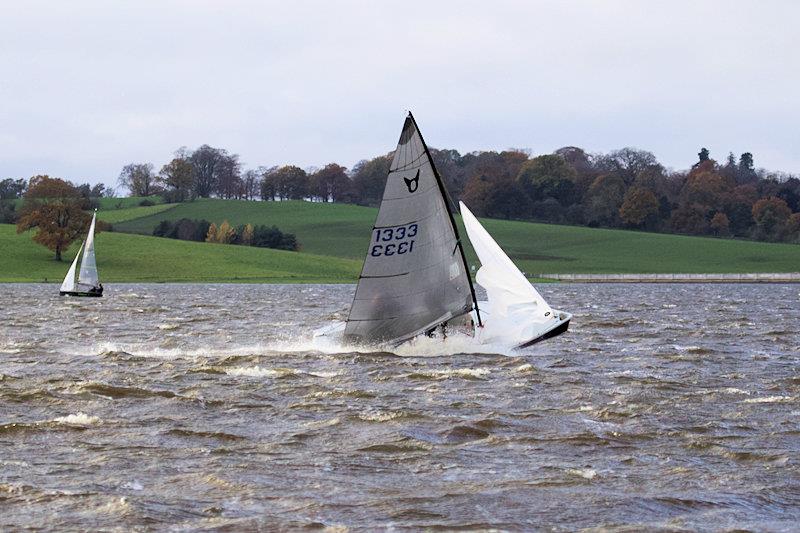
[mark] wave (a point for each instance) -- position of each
(79, 419)
(305, 343)
(259, 372)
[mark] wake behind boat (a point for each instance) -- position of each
(415, 280)
(88, 283)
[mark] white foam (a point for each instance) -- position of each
(585, 473)
(258, 372)
(305, 342)
(79, 419)
(379, 416)
(458, 372)
(770, 399)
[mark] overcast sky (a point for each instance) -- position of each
(88, 86)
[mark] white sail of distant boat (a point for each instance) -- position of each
(68, 285)
(515, 311)
(88, 280)
(415, 278)
(88, 274)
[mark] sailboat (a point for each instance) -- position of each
(88, 283)
(415, 280)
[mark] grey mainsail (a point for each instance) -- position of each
(414, 276)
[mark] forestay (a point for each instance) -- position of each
(68, 285)
(88, 273)
(414, 276)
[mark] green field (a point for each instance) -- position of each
(344, 230)
(123, 257)
(327, 229)
(114, 216)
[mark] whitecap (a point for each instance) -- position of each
(585, 473)
(770, 399)
(79, 419)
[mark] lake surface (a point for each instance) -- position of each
(209, 406)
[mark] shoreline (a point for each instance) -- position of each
(759, 277)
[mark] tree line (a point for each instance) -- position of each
(626, 188)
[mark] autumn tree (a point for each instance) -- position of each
(246, 235)
(331, 183)
(770, 215)
(604, 198)
(55, 208)
(139, 179)
(690, 218)
(548, 176)
(639, 208)
(225, 233)
(176, 177)
(476, 194)
(369, 179)
(793, 228)
(211, 235)
(720, 224)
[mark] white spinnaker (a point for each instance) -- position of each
(68, 285)
(88, 273)
(516, 309)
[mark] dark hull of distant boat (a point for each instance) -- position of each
(86, 294)
(555, 332)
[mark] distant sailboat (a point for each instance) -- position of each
(88, 283)
(415, 278)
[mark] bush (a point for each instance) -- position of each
(8, 213)
(198, 230)
(147, 202)
(272, 237)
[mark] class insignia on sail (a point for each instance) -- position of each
(88, 282)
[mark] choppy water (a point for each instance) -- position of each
(189, 406)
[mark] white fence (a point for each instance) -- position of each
(761, 277)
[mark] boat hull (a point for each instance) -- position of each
(87, 294)
(557, 330)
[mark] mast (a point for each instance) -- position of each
(448, 202)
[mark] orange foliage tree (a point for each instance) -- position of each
(55, 208)
(638, 207)
(770, 215)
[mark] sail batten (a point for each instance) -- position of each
(411, 280)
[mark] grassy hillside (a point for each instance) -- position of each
(124, 257)
(114, 216)
(327, 229)
(126, 202)
(344, 231)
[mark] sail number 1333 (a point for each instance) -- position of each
(397, 240)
